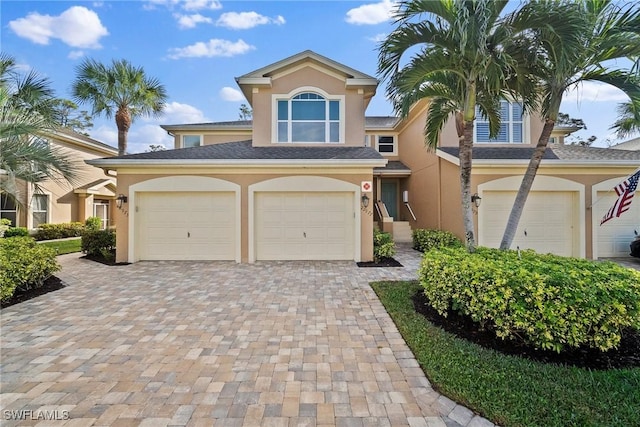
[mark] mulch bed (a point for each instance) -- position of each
(103, 260)
(50, 285)
(627, 355)
(384, 262)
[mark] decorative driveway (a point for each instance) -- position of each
(216, 344)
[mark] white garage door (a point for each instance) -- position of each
(615, 235)
(304, 226)
(186, 226)
(546, 225)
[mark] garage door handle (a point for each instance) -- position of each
(304, 234)
(188, 234)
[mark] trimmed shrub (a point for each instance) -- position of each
(99, 243)
(383, 245)
(16, 232)
(25, 265)
(59, 231)
(424, 240)
(548, 301)
(93, 223)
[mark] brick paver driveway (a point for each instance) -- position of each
(215, 343)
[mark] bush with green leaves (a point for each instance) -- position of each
(424, 239)
(25, 265)
(16, 232)
(93, 223)
(383, 245)
(547, 301)
(99, 243)
(5, 224)
(59, 231)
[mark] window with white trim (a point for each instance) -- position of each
(191, 141)
(386, 144)
(308, 117)
(511, 127)
(39, 209)
(9, 209)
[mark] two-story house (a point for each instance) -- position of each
(310, 175)
(92, 193)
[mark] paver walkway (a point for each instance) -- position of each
(216, 344)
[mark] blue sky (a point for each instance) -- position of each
(197, 47)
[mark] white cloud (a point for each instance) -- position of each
(191, 5)
(77, 26)
(75, 54)
(190, 21)
(175, 112)
(201, 4)
(378, 37)
(246, 20)
(140, 138)
(214, 47)
(594, 92)
(230, 94)
(372, 13)
(106, 134)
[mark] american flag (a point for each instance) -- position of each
(625, 191)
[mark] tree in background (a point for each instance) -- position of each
(27, 116)
(245, 112)
(119, 90)
(608, 32)
(69, 116)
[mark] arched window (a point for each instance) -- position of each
(308, 117)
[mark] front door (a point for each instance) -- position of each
(389, 196)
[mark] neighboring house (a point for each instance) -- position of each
(632, 145)
(91, 194)
(310, 175)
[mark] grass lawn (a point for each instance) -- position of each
(64, 246)
(508, 390)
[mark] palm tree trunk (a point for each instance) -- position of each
(466, 146)
(123, 122)
(525, 186)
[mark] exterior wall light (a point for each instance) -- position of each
(120, 200)
(365, 200)
(476, 200)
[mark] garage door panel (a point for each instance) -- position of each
(615, 235)
(311, 226)
(546, 224)
(186, 226)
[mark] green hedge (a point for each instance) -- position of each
(16, 232)
(25, 265)
(424, 240)
(383, 245)
(99, 243)
(59, 231)
(550, 302)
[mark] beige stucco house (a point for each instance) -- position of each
(310, 176)
(92, 193)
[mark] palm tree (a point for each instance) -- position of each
(628, 122)
(121, 90)
(464, 59)
(27, 115)
(608, 32)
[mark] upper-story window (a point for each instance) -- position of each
(384, 144)
(308, 117)
(511, 127)
(191, 141)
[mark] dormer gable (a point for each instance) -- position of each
(305, 99)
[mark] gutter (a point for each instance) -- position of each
(234, 163)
